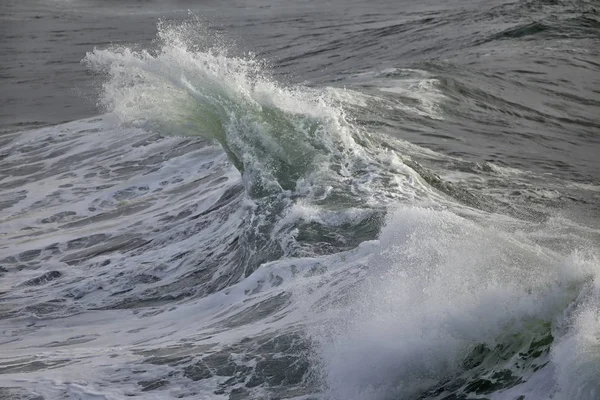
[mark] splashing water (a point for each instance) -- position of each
(294, 146)
(440, 303)
(327, 263)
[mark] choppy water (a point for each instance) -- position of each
(351, 200)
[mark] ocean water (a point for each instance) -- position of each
(303, 200)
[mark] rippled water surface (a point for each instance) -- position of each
(341, 200)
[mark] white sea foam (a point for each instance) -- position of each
(436, 286)
(390, 318)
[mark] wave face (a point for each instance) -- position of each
(295, 150)
(219, 234)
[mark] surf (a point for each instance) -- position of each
(433, 303)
